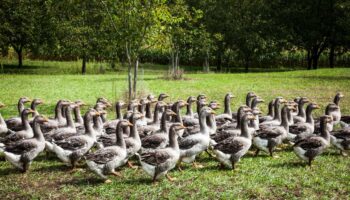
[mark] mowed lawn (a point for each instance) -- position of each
(259, 177)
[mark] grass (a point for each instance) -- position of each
(259, 177)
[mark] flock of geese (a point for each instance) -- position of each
(162, 138)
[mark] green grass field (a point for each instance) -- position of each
(259, 177)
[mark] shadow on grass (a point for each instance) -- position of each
(298, 164)
(52, 168)
(9, 171)
(92, 181)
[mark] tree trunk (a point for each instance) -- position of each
(309, 59)
(246, 68)
(219, 60)
(315, 56)
(331, 56)
(136, 68)
(83, 67)
(19, 52)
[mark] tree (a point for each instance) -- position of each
(20, 22)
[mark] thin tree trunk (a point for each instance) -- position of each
(19, 52)
(315, 56)
(129, 71)
(177, 60)
(246, 65)
(136, 68)
(219, 60)
(83, 67)
(331, 56)
(309, 59)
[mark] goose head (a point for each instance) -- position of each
(79, 103)
(191, 99)
(201, 97)
(24, 100)
(214, 105)
(104, 101)
(177, 127)
(162, 96)
(36, 102)
(41, 119)
(313, 106)
(151, 98)
(169, 112)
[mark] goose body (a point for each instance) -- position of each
(301, 116)
(307, 149)
(21, 153)
(341, 139)
(105, 160)
(230, 150)
(15, 123)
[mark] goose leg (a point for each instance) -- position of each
(257, 152)
(131, 165)
(171, 179)
(195, 165)
(209, 153)
(310, 160)
(108, 181)
(233, 164)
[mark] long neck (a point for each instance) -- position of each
(20, 107)
(301, 110)
(33, 107)
(247, 101)
(133, 132)
(25, 122)
(244, 128)
(2, 121)
(198, 106)
(103, 117)
(173, 143)
(97, 122)
(148, 110)
(336, 100)
(239, 116)
(178, 117)
(142, 108)
(120, 139)
(77, 115)
(211, 122)
(38, 134)
(156, 114)
(70, 122)
(203, 123)
(227, 106)
(189, 111)
(284, 121)
(277, 111)
(290, 117)
(324, 131)
(58, 112)
(88, 125)
(254, 103)
(309, 118)
(118, 112)
(163, 122)
(271, 113)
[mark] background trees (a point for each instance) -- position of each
(226, 34)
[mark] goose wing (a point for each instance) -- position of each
(152, 141)
(21, 147)
(102, 156)
(72, 143)
(229, 146)
(155, 157)
(188, 142)
(309, 143)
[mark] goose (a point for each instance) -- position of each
(330, 108)
(151, 100)
(201, 102)
(78, 119)
(336, 114)
(98, 124)
(192, 121)
(3, 127)
(63, 132)
(341, 140)
(270, 115)
(15, 123)
(255, 123)
(110, 125)
(233, 129)
(307, 149)
(194, 144)
(256, 101)
(26, 132)
(158, 162)
(301, 117)
(155, 124)
(104, 101)
(230, 150)
(249, 98)
(271, 136)
(227, 112)
(104, 161)
(21, 153)
(160, 138)
(162, 97)
(189, 116)
(299, 130)
(296, 100)
(34, 104)
(277, 118)
(58, 120)
(291, 113)
(72, 149)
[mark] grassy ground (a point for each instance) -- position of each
(259, 177)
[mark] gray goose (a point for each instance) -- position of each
(270, 115)
(63, 132)
(26, 132)
(78, 119)
(301, 117)
(158, 162)
(15, 123)
(227, 112)
(58, 120)
(3, 127)
(201, 102)
(230, 150)
(33, 106)
(336, 114)
(105, 160)
(72, 149)
(107, 105)
(21, 153)
(277, 118)
(160, 138)
(341, 140)
(291, 114)
(110, 126)
(296, 100)
(307, 149)
(189, 116)
(195, 144)
(248, 102)
(271, 136)
(330, 108)
(300, 130)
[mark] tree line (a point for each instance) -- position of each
(206, 32)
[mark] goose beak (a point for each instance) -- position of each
(45, 119)
(183, 127)
(31, 111)
(130, 124)
(317, 106)
(213, 112)
(97, 113)
(2, 105)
